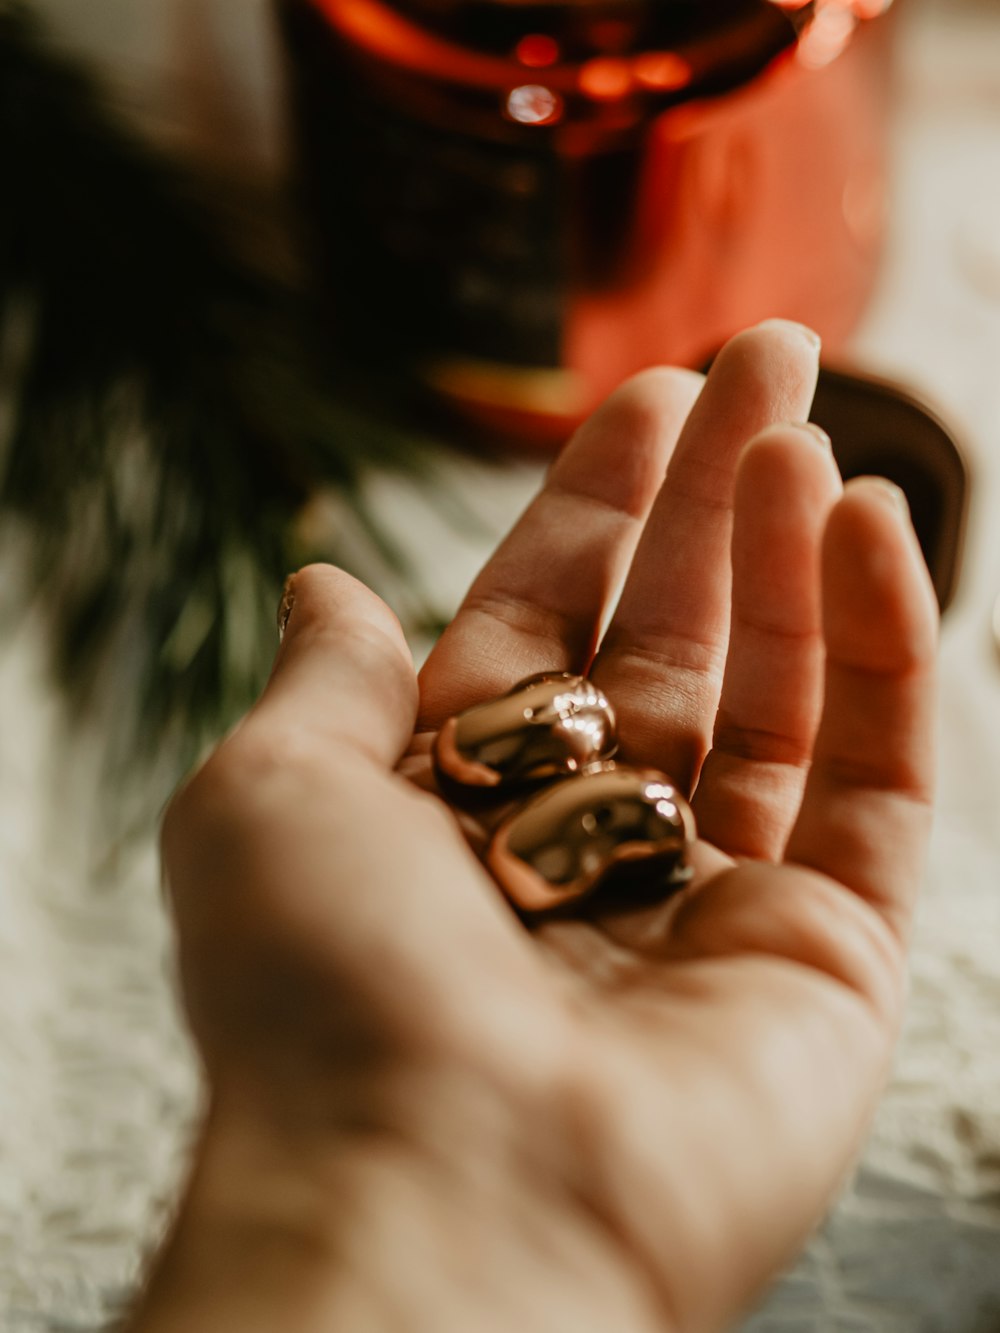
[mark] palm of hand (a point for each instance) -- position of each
(705, 1068)
(696, 1074)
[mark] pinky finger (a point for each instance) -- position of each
(865, 814)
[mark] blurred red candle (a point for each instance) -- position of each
(519, 204)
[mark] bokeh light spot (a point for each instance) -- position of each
(537, 50)
(605, 79)
(534, 104)
(661, 71)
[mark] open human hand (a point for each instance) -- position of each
(424, 1115)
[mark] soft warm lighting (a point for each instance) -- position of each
(870, 9)
(862, 9)
(377, 28)
(534, 104)
(537, 51)
(605, 79)
(826, 36)
(661, 71)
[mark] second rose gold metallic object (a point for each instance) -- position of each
(613, 830)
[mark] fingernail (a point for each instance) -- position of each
(888, 491)
(816, 433)
(810, 335)
(285, 605)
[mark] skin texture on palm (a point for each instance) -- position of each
(424, 1116)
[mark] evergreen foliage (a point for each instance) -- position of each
(167, 416)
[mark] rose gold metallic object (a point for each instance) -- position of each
(548, 726)
(618, 831)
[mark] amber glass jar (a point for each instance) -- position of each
(519, 203)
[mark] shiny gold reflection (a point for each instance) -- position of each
(572, 840)
(548, 726)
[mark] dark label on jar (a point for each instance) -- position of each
(436, 241)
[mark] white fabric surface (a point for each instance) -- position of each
(97, 1087)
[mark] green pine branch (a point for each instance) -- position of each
(169, 417)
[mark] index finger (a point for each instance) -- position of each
(539, 603)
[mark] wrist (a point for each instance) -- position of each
(378, 1227)
(250, 1247)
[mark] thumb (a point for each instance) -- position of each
(343, 670)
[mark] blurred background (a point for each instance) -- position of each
(169, 291)
(200, 74)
